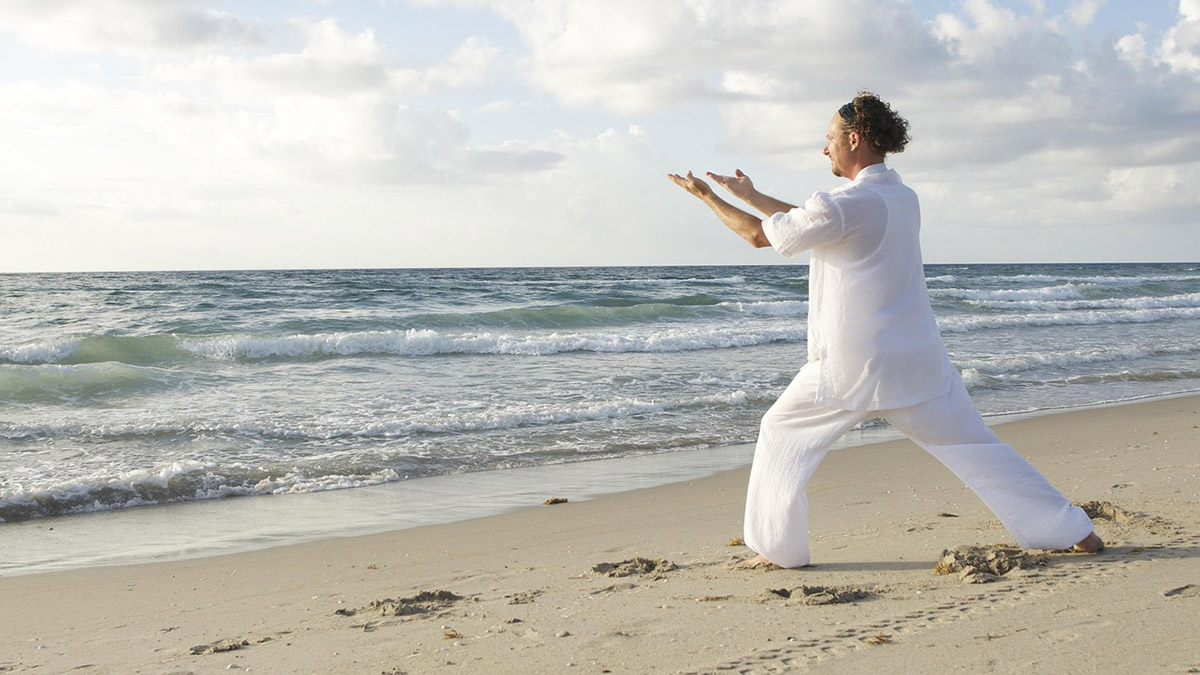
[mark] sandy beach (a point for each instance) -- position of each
(642, 581)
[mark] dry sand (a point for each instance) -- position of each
(641, 582)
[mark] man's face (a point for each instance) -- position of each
(837, 145)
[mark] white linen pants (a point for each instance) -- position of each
(795, 436)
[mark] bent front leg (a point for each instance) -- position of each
(793, 438)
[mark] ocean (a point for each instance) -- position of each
(124, 390)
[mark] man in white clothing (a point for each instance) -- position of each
(873, 348)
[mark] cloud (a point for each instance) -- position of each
(632, 56)
(236, 139)
(1083, 12)
(551, 148)
(1016, 114)
(1002, 85)
(337, 108)
(331, 63)
(29, 207)
(605, 200)
(138, 28)
(1181, 44)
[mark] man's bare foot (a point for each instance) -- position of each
(1091, 544)
(758, 562)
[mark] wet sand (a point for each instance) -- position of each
(642, 581)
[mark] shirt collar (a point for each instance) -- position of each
(869, 170)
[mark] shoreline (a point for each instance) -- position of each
(197, 529)
(527, 591)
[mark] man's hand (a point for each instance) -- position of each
(692, 184)
(745, 225)
(739, 184)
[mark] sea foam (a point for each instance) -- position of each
(425, 342)
(962, 324)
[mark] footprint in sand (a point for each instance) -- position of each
(981, 564)
(1116, 515)
(820, 595)
(614, 588)
(421, 603)
(523, 598)
(636, 567)
(1097, 510)
(220, 646)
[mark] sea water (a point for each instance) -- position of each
(121, 390)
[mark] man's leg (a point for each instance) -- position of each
(793, 438)
(1034, 512)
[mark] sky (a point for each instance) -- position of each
(211, 134)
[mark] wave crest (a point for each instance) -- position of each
(424, 342)
(46, 383)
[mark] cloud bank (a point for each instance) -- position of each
(181, 135)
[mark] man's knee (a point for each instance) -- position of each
(775, 421)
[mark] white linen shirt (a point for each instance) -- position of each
(871, 330)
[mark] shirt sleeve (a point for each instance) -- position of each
(818, 222)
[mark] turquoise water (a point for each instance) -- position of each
(128, 389)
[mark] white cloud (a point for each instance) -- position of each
(631, 56)
(1132, 48)
(622, 54)
(985, 31)
(336, 108)
(607, 201)
(205, 144)
(1083, 12)
(285, 129)
(331, 63)
(1181, 44)
(126, 27)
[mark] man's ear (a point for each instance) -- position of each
(854, 140)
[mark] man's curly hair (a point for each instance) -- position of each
(881, 127)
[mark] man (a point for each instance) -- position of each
(873, 348)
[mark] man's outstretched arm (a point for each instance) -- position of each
(740, 186)
(745, 225)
